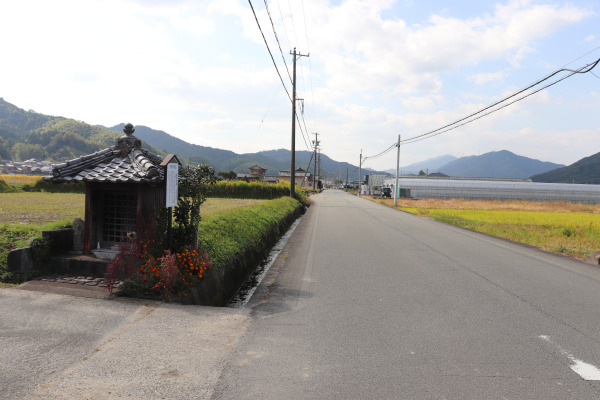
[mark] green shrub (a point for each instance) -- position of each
(40, 248)
(254, 190)
(129, 288)
(42, 186)
(18, 277)
(6, 188)
(229, 235)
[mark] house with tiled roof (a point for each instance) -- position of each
(257, 173)
(124, 186)
(302, 178)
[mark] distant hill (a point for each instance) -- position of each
(431, 165)
(170, 144)
(586, 170)
(27, 134)
(224, 160)
(497, 164)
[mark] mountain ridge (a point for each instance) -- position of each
(497, 164)
(28, 134)
(586, 170)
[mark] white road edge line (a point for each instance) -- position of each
(587, 371)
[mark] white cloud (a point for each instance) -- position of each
(200, 70)
(487, 77)
(365, 51)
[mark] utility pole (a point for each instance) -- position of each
(360, 173)
(293, 149)
(319, 170)
(346, 185)
(316, 143)
(397, 169)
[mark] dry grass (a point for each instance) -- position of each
(216, 205)
(40, 208)
(25, 215)
(20, 180)
(514, 205)
(566, 228)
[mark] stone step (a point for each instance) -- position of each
(105, 254)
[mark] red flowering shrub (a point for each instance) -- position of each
(173, 271)
(143, 257)
(192, 264)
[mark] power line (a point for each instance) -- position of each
(487, 113)
(277, 39)
(305, 28)
(283, 23)
(310, 72)
(384, 152)
(457, 123)
(302, 131)
(293, 24)
(301, 71)
(263, 118)
(271, 54)
(275, 64)
(580, 57)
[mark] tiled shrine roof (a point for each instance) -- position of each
(126, 162)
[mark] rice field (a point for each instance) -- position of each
(19, 180)
(216, 205)
(566, 228)
(25, 215)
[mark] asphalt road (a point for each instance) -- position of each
(366, 302)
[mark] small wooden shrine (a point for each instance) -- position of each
(124, 185)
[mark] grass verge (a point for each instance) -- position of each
(237, 241)
(228, 234)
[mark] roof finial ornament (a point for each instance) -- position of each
(129, 129)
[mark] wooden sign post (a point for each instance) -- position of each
(171, 164)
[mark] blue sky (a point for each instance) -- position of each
(200, 71)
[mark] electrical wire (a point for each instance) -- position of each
(263, 119)
(582, 70)
(305, 28)
(271, 54)
(302, 71)
(384, 152)
(292, 18)
(307, 169)
(283, 23)
(303, 135)
(304, 122)
(277, 39)
(488, 113)
(275, 64)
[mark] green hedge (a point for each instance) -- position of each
(254, 190)
(238, 240)
(229, 235)
(42, 186)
